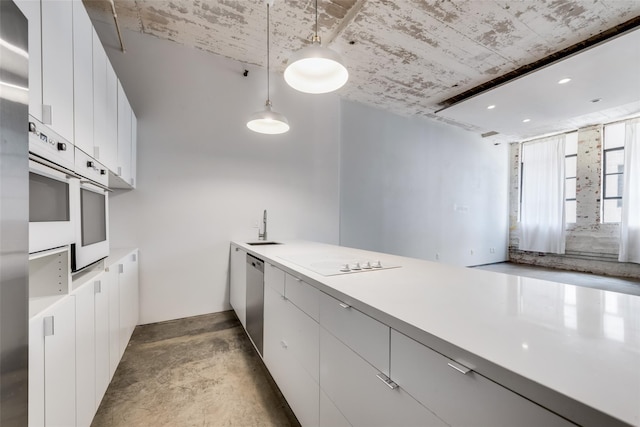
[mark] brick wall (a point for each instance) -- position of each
(590, 246)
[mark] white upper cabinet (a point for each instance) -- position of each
(109, 151)
(134, 148)
(99, 96)
(57, 66)
(124, 136)
(83, 78)
(31, 10)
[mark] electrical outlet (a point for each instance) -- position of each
(471, 251)
(492, 250)
(437, 256)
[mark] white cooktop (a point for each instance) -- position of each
(332, 264)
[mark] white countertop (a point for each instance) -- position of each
(580, 342)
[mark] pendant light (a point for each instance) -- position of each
(316, 69)
(268, 121)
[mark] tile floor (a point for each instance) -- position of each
(203, 371)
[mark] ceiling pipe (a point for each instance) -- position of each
(115, 18)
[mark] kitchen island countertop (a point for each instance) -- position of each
(574, 350)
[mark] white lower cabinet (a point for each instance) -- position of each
(128, 289)
(52, 365)
(101, 294)
(330, 415)
(363, 334)
(291, 354)
(354, 386)
(458, 395)
(85, 341)
(111, 275)
(238, 283)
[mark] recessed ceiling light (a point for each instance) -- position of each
(563, 81)
(491, 107)
(596, 100)
(526, 120)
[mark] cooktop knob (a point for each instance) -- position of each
(377, 264)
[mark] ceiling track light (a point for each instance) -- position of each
(316, 69)
(268, 121)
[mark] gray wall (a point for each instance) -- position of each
(204, 178)
(421, 188)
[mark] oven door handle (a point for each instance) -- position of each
(53, 166)
(85, 181)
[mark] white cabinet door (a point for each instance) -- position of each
(111, 282)
(291, 355)
(57, 66)
(52, 366)
(124, 136)
(134, 149)
(109, 152)
(128, 284)
(101, 289)
(85, 354)
(99, 97)
(82, 78)
(31, 10)
(238, 283)
(353, 386)
(36, 372)
(461, 399)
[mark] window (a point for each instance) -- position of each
(612, 172)
(570, 168)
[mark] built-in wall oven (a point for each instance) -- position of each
(51, 217)
(91, 202)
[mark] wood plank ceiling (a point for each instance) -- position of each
(407, 56)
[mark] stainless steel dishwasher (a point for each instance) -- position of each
(255, 300)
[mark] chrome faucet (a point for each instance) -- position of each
(263, 235)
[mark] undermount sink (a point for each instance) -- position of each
(263, 243)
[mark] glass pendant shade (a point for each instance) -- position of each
(268, 121)
(316, 69)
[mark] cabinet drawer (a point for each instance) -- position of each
(274, 278)
(358, 394)
(330, 416)
(461, 399)
(363, 334)
(291, 354)
(303, 295)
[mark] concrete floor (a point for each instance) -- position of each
(198, 371)
(607, 283)
(203, 371)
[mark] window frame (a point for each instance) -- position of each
(575, 178)
(605, 174)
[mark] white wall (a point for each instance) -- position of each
(204, 178)
(418, 188)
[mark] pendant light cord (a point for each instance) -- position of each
(268, 62)
(316, 19)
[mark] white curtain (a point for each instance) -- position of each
(542, 218)
(630, 223)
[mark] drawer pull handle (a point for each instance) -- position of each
(343, 305)
(460, 368)
(284, 344)
(388, 381)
